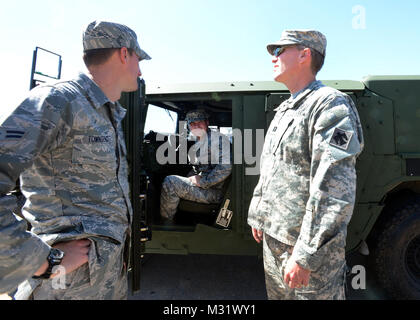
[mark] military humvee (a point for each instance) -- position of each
(387, 210)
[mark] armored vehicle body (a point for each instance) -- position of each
(387, 211)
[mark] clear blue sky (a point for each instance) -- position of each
(212, 40)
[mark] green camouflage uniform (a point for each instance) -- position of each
(211, 159)
(306, 192)
(66, 143)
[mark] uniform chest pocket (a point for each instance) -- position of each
(281, 130)
(94, 149)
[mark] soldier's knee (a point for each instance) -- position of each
(170, 183)
(172, 180)
(167, 182)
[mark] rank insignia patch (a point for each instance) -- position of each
(11, 133)
(341, 139)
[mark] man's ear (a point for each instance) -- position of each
(305, 55)
(305, 52)
(123, 52)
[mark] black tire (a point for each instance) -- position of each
(395, 249)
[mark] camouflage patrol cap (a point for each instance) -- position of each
(309, 38)
(104, 34)
(196, 115)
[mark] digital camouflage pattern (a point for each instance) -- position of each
(103, 34)
(211, 159)
(66, 143)
(308, 38)
(104, 277)
(306, 191)
(327, 283)
(196, 115)
(175, 188)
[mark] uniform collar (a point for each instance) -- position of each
(97, 97)
(92, 91)
(297, 97)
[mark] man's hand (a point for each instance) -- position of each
(257, 234)
(195, 180)
(295, 276)
(76, 254)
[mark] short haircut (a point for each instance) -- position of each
(97, 57)
(317, 59)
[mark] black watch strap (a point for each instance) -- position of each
(54, 259)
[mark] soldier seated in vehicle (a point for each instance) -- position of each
(211, 160)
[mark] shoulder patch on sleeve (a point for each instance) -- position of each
(341, 138)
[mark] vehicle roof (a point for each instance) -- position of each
(241, 86)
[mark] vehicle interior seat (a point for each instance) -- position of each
(208, 212)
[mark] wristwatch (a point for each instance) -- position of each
(54, 259)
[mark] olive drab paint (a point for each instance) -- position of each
(389, 164)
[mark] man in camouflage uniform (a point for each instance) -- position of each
(211, 160)
(66, 143)
(306, 192)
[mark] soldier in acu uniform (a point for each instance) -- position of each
(211, 160)
(306, 192)
(66, 144)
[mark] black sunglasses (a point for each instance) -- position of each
(278, 51)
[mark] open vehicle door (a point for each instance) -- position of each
(133, 125)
